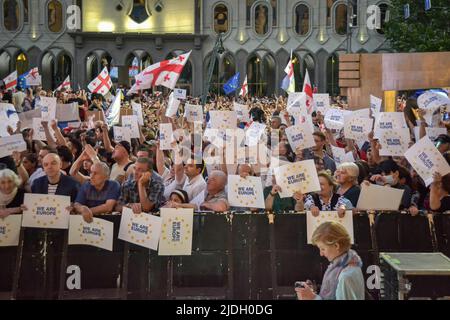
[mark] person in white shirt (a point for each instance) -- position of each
(189, 178)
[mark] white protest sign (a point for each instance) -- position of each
(361, 113)
(176, 233)
(301, 116)
(67, 112)
(375, 105)
(193, 113)
(321, 102)
(179, 94)
(389, 121)
(334, 119)
(141, 229)
(26, 118)
(312, 223)
(374, 197)
(137, 111)
(242, 112)
(296, 100)
(394, 143)
(165, 136)
(131, 122)
(431, 102)
(48, 108)
(38, 130)
(46, 211)
(8, 117)
(12, 143)
(246, 192)
(10, 230)
(122, 134)
(254, 133)
(98, 234)
(223, 120)
(426, 159)
(340, 156)
(300, 137)
(172, 106)
(430, 132)
(357, 128)
(297, 176)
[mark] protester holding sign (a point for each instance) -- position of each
(11, 195)
(326, 199)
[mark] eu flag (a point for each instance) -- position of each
(22, 81)
(232, 84)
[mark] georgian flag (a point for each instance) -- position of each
(33, 78)
(244, 89)
(65, 85)
(102, 84)
(164, 73)
(11, 81)
(307, 88)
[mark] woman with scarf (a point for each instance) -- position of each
(343, 280)
(11, 196)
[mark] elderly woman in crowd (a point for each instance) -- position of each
(347, 177)
(326, 199)
(343, 280)
(11, 195)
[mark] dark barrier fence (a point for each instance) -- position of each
(234, 256)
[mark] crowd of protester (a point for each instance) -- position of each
(102, 176)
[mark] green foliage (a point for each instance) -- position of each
(423, 31)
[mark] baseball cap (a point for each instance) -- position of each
(126, 145)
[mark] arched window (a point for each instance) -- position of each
(48, 71)
(261, 19)
(21, 64)
(5, 61)
(261, 80)
(221, 19)
(333, 75)
(25, 11)
(64, 67)
(308, 63)
(302, 19)
(274, 12)
(92, 67)
(55, 16)
(384, 10)
(340, 19)
(329, 6)
(11, 15)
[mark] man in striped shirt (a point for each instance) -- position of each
(54, 182)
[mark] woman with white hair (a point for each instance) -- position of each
(347, 177)
(11, 195)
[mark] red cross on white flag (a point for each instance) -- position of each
(164, 73)
(102, 84)
(244, 89)
(65, 85)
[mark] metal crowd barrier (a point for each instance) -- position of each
(234, 256)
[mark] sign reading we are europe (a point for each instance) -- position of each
(46, 211)
(140, 229)
(297, 176)
(98, 234)
(426, 159)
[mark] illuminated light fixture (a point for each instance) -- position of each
(241, 36)
(106, 26)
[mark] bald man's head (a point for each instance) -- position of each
(51, 165)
